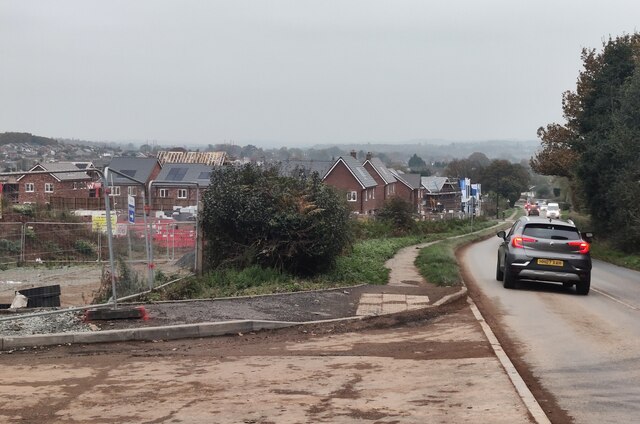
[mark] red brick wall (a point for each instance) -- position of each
(380, 189)
(341, 178)
(407, 194)
(60, 188)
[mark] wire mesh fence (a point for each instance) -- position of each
(76, 257)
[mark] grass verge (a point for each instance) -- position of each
(364, 264)
(438, 264)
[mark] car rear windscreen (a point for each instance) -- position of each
(551, 231)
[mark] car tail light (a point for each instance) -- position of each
(583, 246)
(519, 241)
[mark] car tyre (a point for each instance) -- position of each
(499, 273)
(508, 280)
(583, 286)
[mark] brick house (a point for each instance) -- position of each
(409, 188)
(348, 175)
(143, 170)
(40, 188)
(179, 184)
(385, 180)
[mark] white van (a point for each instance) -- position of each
(553, 210)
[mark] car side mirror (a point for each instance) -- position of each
(588, 237)
(501, 234)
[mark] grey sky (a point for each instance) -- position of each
(295, 72)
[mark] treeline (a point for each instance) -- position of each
(597, 146)
(25, 138)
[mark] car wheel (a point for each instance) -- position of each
(508, 280)
(584, 285)
(499, 273)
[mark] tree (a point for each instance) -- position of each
(416, 164)
(506, 179)
(254, 216)
(596, 148)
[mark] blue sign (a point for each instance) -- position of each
(132, 210)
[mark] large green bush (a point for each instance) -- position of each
(254, 216)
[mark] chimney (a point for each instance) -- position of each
(369, 155)
(354, 154)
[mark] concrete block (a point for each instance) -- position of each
(138, 312)
(209, 329)
(107, 336)
(167, 333)
(37, 340)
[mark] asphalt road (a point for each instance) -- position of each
(584, 349)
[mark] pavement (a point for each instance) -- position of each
(503, 378)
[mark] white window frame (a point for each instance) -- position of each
(48, 187)
(115, 191)
(29, 188)
(163, 192)
(373, 193)
(352, 196)
(131, 191)
(182, 193)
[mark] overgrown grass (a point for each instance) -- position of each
(364, 264)
(438, 264)
(603, 251)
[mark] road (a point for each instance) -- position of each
(584, 349)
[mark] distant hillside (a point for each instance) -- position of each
(512, 150)
(25, 138)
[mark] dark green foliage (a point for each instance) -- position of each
(84, 247)
(398, 213)
(9, 246)
(602, 138)
(417, 164)
(254, 216)
(506, 179)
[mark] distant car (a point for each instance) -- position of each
(545, 249)
(553, 210)
(533, 210)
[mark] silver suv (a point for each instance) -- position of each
(545, 249)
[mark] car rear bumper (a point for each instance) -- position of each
(535, 274)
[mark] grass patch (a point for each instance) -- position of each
(438, 264)
(364, 264)
(603, 251)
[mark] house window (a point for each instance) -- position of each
(131, 191)
(75, 186)
(182, 193)
(48, 187)
(352, 196)
(373, 193)
(29, 188)
(163, 192)
(115, 191)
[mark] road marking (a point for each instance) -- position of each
(525, 394)
(615, 299)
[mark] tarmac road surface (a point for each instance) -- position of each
(584, 349)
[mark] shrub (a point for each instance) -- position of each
(84, 247)
(254, 216)
(398, 213)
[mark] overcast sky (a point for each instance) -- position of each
(295, 72)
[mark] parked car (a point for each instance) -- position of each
(544, 249)
(553, 210)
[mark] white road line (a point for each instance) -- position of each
(525, 394)
(615, 299)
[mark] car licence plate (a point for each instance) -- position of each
(551, 262)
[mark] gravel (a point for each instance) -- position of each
(63, 322)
